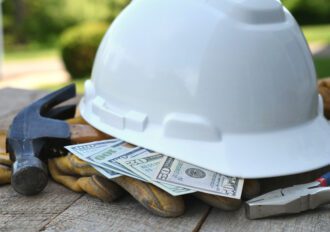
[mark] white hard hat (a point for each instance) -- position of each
(226, 85)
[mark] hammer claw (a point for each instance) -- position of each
(49, 101)
(33, 128)
(62, 112)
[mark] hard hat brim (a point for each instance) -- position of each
(283, 152)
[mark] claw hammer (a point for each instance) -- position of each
(39, 132)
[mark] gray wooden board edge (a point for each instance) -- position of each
(126, 214)
(312, 221)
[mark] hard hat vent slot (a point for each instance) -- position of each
(191, 127)
(251, 11)
(320, 106)
(136, 121)
(109, 116)
(89, 91)
(132, 120)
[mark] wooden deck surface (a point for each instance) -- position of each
(58, 209)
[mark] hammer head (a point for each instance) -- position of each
(35, 126)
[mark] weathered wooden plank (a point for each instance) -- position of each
(15, 99)
(18, 213)
(311, 221)
(88, 214)
(12, 101)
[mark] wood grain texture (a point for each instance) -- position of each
(19, 213)
(89, 214)
(12, 101)
(311, 221)
(16, 98)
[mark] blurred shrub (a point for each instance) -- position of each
(116, 6)
(79, 45)
(43, 21)
(309, 11)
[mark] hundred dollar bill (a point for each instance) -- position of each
(85, 151)
(113, 159)
(107, 157)
(145, 166)
(176, 172)
(105, 172)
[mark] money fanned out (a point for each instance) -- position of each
(146, 165)
(176, 172)
(113, 158)
(106, 157)
(87, 150)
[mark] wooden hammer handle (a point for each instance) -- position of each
(82, 133)
(3, 137)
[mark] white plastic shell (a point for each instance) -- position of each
(227, 85)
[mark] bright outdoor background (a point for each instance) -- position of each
(49, 43)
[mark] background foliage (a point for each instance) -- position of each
(309, 11)
(42, 21)
(79, 45)
(34, 28)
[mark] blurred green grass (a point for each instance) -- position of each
(322, 66)
(317, 34)
(79, 86)
(24, 54)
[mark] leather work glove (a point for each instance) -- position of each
(324, 90)
(5, 162)
(78, 176)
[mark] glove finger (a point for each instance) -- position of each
(5, 174)
(154, 199)
(324, 90)
(70, 182)
(101, 188)
(3, 137)
(4, 156)
(72, 165)
(81, 167)
(224, 203)
(5, 159)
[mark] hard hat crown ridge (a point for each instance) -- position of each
(210, 83)
(251, 11)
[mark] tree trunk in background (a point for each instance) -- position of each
(19, 13)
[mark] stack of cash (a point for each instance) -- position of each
(114, 158)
